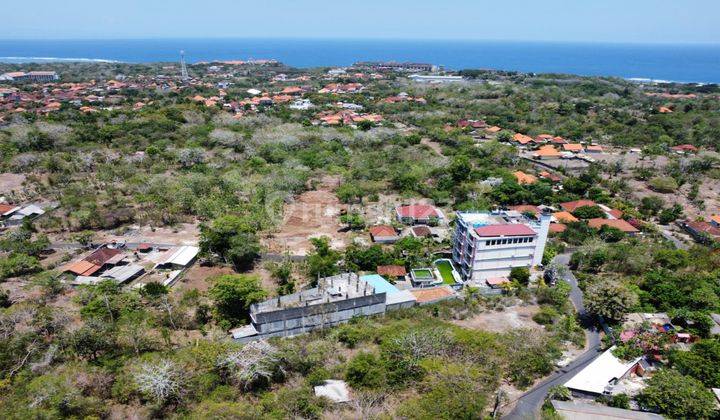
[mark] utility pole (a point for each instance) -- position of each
(183, 67)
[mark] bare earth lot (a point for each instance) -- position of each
(313, 214)
(502, 321)
(182, 234)
(10, 182)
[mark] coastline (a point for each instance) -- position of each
(647, 63)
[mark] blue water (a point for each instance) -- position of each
(682, 63)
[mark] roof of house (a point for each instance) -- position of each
(596, 376)
(123, 273)
(391, 270)
(522, 138)
(526, 208)
(615, 213)
(402, 296)
(715, 218)
(704, 227)
(594, 148)
(181, 255)
(685, 148)
(572, 147)
(421, 231)
(523, 178)
(379, 284)
(515, 229)
(577, 410)
(382, 230)
(615, 223)
(550, 176)
(417, 211)
(571, 206)
(564, 216)
(6, 209)
(103, 255)
(547, 151)
(82, 268)
(557, 228)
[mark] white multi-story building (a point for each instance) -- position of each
(488, 245)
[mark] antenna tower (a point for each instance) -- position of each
(183, 66)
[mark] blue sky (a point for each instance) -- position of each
(638, 21)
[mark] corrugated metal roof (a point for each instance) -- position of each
(597, 375)
(123, 273)
(181, 255)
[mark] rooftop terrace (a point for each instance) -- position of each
(330, 289)
(503, 217)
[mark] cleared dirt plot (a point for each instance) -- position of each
(181, 234)
(11, 182)
(312, 214)
(502, 321)
(197, 276)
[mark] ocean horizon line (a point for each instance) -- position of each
(677, 63)
(372, 39)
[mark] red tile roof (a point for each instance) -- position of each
(557, 228)
(382, 230)
(102, 255)
(615, 213)
(4, 208)
(571, 206)
(391, 270)
(82, 268)
(418, 211)
(685, 148)
(526, 208)
(421, 231)
(504, 230)
(704, 227)
(617, 224)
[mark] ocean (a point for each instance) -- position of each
(679, 63)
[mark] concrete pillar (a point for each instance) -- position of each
(542, 238)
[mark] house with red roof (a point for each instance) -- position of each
(526, 208)
(393, 272)
(684, 148)
(571, 206)
(383, 234)
(522, 139)
(619, 224)
(701, 231)
(423, 214)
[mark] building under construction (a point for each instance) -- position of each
(335, 300)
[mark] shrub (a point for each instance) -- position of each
(546, 316)
(365, 371)
(663, 184)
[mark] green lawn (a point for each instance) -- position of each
(445, 269)
(423, 274)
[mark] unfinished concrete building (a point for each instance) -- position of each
(335, 300)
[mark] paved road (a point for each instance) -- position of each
(528, 406)
(667, 234)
